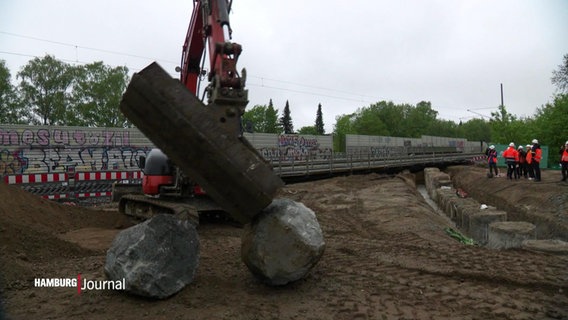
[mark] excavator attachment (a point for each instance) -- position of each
(204, 141)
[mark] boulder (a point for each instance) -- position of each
(283, 243)
(156, 258)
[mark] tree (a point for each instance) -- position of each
(560, 76)
(261, 118)
(45, 89)
(476, 130)
(393, 117)
(368, 122)
(320, 130)
(10, 108)
(308, 130)
(253, 118)
(419, 120)
(506, 127)
(271, 120)
(443, 128)
(343, 125)
(550, 125)
(96, 95)
(286, 120)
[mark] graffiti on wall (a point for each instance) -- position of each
(64, 137)
(30, 149)
(293, 147)
(59, 159)
(34, 150)
(12, 162)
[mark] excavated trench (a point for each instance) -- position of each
(501, 226)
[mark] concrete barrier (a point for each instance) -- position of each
(469, 207)
(479, 224)
(557, 247)
(487, 226)
(510, 234)
(466, 213)
(434, 180)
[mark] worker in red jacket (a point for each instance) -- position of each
(522, 163)
(536, 153)
(564, 161)
(511, 157)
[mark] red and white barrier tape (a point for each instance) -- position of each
(36, 178)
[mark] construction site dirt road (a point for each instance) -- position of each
(387, 257)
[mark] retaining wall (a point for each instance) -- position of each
(485, 224)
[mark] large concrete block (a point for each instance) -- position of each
(479, 224)
(464, 209)
(202, 140)
(434, 179)
(465, 213)
(510, 234)
(444, 196)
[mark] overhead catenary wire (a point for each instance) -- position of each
(75, 46)
(85, 48)
(349, 96)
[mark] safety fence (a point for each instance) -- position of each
(71, 186)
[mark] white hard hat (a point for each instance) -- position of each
(535, 141)
(511, 144)
(491, 147)
(567, 142)
(528, 146)
(520, 147)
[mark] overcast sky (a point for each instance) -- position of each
(342, 54)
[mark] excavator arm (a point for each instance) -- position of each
(210, 27)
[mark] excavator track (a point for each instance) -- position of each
(143, 207)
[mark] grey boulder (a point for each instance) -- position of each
(156, 258)
(283, 243)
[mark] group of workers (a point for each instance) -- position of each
(524, 163)
(520, 162)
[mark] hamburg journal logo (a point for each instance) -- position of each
(80, 284)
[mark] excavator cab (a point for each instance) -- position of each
(158, 172)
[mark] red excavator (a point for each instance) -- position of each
(212, 127)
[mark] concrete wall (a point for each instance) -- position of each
(52, 149)
(385, 146)
(291, 147)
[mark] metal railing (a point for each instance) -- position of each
(341, 162)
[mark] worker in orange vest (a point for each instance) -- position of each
(536, 152)
(564, 161)
(511, 158)
(529, 162)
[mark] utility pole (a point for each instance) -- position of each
(502, 95)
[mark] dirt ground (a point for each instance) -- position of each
(387, 257)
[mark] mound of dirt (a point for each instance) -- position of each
(31, 229)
